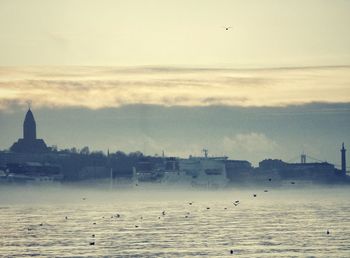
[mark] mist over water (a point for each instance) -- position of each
(289, 222)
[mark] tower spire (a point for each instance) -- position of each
(29, 104)
(29, 127)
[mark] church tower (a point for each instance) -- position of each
(29, 143)
(29, 127)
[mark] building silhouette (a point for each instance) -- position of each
(29, 143)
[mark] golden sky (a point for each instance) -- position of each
(103, 87)
(108, 53)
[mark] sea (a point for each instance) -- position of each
(81, 221)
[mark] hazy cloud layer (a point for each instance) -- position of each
(102, 87)
(250, 142)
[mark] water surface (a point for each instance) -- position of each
(280, 223)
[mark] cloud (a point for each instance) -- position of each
(249, 143)
(252, 146)
(104, 87)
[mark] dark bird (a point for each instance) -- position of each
(40, 224)
(237, 201)
(225, 208)
(327, 232)
(235, 204)
(292, 183)
(208, 208)
(136, 226)
(186, 216)
(270, 179)
(66, 217)
(163, 213)
(92, 243)
(231, 252)
(190, 203)
(93, 235)
(94, 223)
(265, 191)
(254, 195)
(227, 28)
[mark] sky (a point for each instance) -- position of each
(176, 33)
(165, 75)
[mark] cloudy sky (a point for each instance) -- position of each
(165, 75)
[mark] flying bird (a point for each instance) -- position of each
(227, 28)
